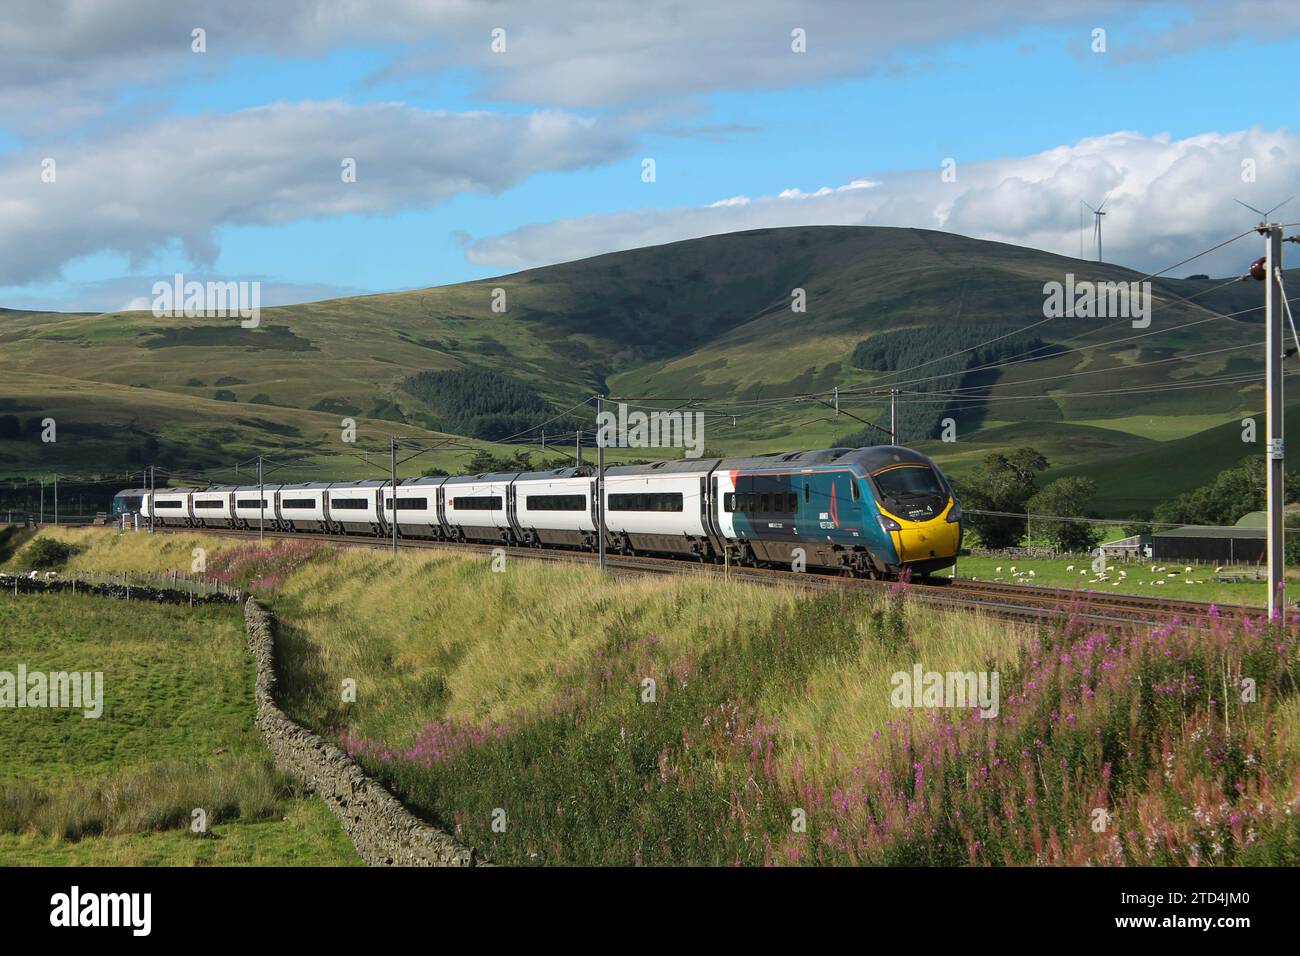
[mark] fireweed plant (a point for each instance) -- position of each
(1116, 745)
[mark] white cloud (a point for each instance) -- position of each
(65, 61)
(1168, 199)
(178, 179)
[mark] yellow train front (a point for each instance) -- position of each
(917, 511)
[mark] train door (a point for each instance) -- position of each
(724, 494)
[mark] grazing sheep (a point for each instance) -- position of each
(998, 569)
(1188, 569)
(1031, 574)
(1069, 567)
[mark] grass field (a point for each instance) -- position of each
(176, 734)
(685, 721)
(1123, 578)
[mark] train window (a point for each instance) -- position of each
(557, 502)
(656, 501)
(729, 502)
(765, 504)
(407, 504)
(349, 504)
(251, 503)
(854, 489)
(297, 503)
(904, 480)
(476, 503)
(807, 491)
(207, 503)
(791, 503)
(168, 504)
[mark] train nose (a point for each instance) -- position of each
(921, 540)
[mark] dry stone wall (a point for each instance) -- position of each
(384, 832)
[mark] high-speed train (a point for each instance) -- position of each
(870, 512)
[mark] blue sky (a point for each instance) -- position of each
(992, 98)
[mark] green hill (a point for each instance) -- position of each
(707, 318)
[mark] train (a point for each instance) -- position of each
(882, 511)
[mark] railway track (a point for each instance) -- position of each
(1026, 603)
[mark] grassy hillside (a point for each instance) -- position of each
(1134, 483)
(176, 734)
(707, 318)
(525, 691)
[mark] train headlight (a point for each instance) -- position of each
(888, 523)
(954, 514)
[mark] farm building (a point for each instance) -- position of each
(1235, 545)
(1134, 547)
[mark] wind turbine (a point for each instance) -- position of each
(1263, 216)
(1096, 229)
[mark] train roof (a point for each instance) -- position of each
(483, 476)
(869, 458)
(583, 471)
(667, 466)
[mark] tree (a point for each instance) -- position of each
(1065, 497)
(1235, 492)
(1002, 483)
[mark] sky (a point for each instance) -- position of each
(142, 139)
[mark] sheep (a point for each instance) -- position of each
(1031, 573)
(998, 569)
(1069, 567)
